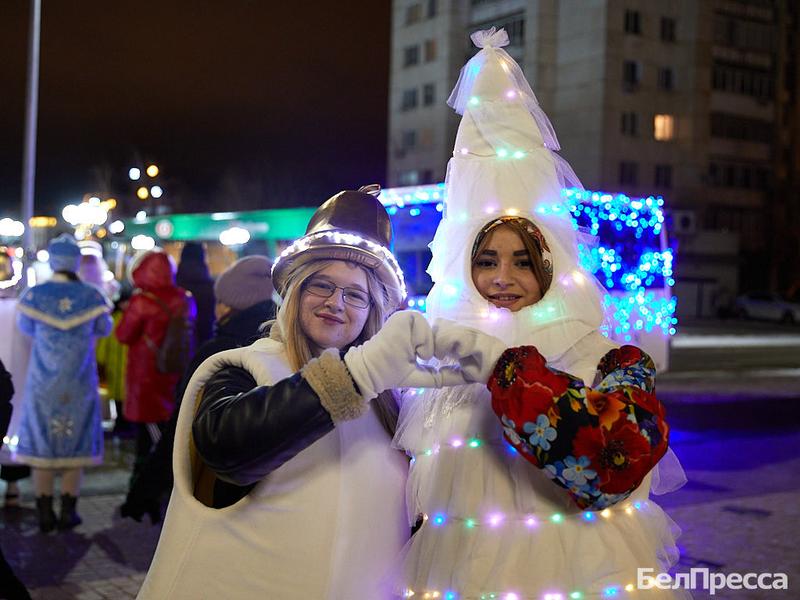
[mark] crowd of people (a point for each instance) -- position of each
(336, 446)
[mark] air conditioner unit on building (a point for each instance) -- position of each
(684, 222)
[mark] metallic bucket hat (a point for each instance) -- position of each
(352, 226)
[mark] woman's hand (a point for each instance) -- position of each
(389, 359)
(477, 352)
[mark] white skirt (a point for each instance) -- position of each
(495, 524)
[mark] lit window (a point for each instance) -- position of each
(664, 127)
(430, 50)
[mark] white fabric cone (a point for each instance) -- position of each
(501, 165)
(504, 164)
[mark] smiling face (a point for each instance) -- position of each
(502, 271)
(331, 322)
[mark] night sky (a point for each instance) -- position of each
(242, 104)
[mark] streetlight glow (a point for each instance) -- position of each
(134, 174)
(142, 193)
(234, 236)
(11, 228)
(152, 171)
(156, 191)
(143, 242)
(85, 214)
(117, 227)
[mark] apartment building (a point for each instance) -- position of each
(694, 100)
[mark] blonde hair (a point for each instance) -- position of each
(286, 327)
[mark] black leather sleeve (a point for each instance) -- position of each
(244, 431)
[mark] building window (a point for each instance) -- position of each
(744, 34)
(663, 127)
(631, 75)
(410, 56)
(433, 8)
(630, 124)
(413, 14)
(665, 81)
(663, 176)
(408, 139)
(738, 79)
(628, 173)
(430, 50)
(667, 29)
(409, 100)
(428, 94)
(632, 22)
(738, 175)
(724, 125)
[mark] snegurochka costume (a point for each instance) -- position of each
(539, 484)
(61, 422)
(323, 514)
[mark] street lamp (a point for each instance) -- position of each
(11, 228)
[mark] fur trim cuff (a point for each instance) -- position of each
(329, 378)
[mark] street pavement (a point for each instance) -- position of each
(733, 400)
(104, 557)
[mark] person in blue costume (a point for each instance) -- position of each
(61, 427)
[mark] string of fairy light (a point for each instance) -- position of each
(611, 591)
(350, 239)
(496, 520)
(632, 259)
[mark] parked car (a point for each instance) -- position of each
(767, 306)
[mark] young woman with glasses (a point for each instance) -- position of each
(285, 482)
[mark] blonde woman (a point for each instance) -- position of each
(294, 490)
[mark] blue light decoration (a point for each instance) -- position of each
(632, 257)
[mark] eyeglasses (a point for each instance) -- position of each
(325, 289)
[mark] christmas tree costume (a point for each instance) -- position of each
(493, 525)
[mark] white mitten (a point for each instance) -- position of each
(389, 359)
(476, 352)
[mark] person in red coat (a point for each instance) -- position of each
(143, 327)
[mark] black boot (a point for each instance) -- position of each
(44, 509)
(68, 518)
